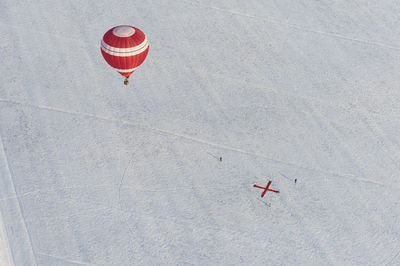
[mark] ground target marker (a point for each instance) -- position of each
(266, 189)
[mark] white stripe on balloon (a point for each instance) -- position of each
(124, 51)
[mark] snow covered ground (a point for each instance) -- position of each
(5, 254)
(96, 173)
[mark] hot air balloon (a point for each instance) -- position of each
(124, 48)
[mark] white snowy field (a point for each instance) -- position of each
(96, 173)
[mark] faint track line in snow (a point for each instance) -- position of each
(9, 170)
(6, 256)
(285, 176)
(177, 189)
(348, 107)
(119, 196)
(80, 214)
(348, 176)
(49, 108)
(27, 194)
(194, 139)
(395, 256)
(119, 192)
(44, 33)
(298, 27)
(382, 138)
(340, 36)
(64, 259)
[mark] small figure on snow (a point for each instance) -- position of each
(220, 159)
(295, 180)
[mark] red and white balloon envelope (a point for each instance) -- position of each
(124, 48)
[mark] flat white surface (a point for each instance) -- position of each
(97, 173)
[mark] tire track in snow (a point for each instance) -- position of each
(395, 256)
(298, 27)
(83, 213)
(27, 194)
(221, 146)
(381, 138)
(64, 259)
(198, 140)
(5, 252)
(120, 186)
(59, 110)
(45, 33)
(26, 232)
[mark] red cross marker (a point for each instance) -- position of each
(266, 189)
